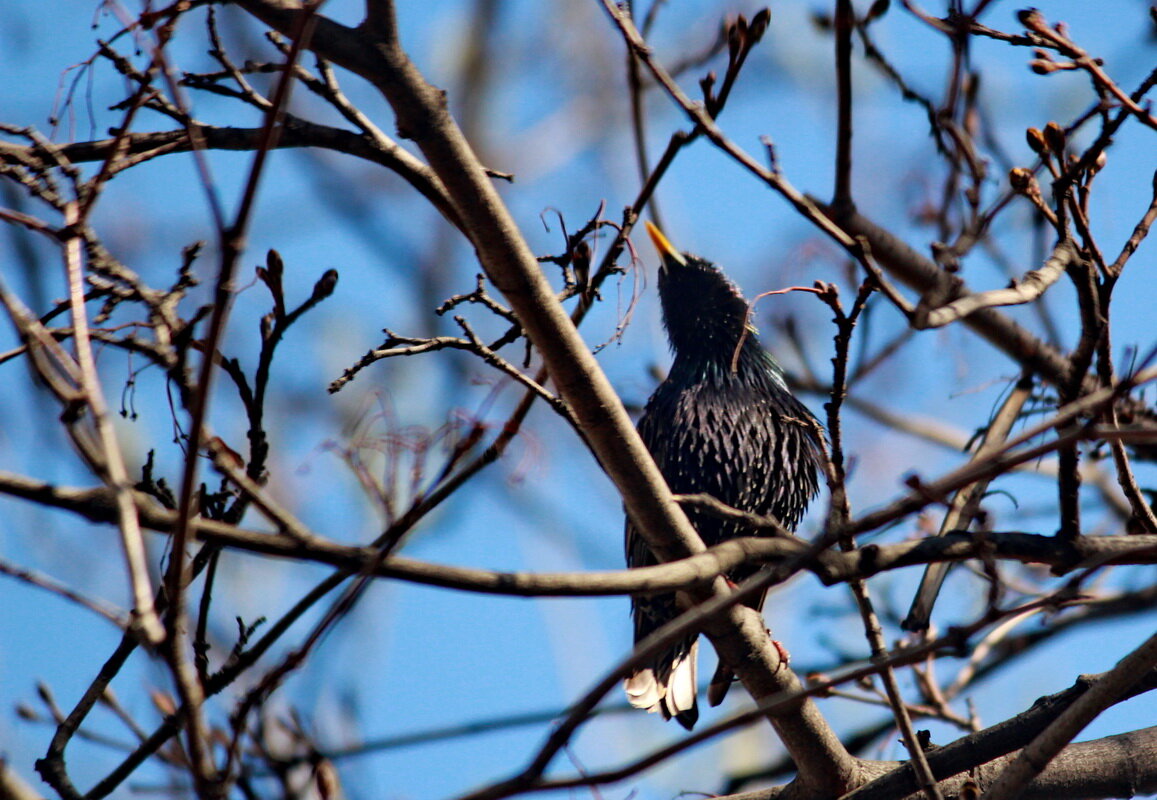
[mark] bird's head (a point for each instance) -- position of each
(703, 311)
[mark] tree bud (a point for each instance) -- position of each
(1055, 137)
(1036, 141)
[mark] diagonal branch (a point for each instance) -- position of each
(964, 503)
(1106, 690)
(1031, 286)
(997, 740)
(925, 277)
(114, 472)
(373, 51)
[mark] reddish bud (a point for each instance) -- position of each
(736, 35)
(164, 702)
(1036, 141)
(1031, 18)
(325, 285)
(1020, 179)
(878, 9)
(1055, 137)
(274, 263)
(759, 24)
(814, 678)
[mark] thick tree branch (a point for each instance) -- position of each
(374, 52)
(297, 132)
(1106, 690)
(831, 567)
(1125, 768)
(996, 741)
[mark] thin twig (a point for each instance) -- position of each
(113, 460)
(232, 240)
(845, 18)
(114, 615)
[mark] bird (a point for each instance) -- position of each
(721, 423)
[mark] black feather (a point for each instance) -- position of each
(738, 435)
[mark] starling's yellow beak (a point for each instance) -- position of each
(666, 250)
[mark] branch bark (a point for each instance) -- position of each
(924, 276)
(297, 132)
(1105, 691)
(1125, 767)
(1002, 739)
(831, 567)
(374, 52)
(1031, 286)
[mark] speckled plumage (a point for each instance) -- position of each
(739, 435)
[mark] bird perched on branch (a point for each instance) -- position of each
(723, 423)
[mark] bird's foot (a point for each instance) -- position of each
(784, 656)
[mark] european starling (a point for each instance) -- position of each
(737, 434)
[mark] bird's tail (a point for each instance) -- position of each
(720, 683)
(669, 686)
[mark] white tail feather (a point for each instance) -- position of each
(683, 683)
(643, 691)
(673, 697)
